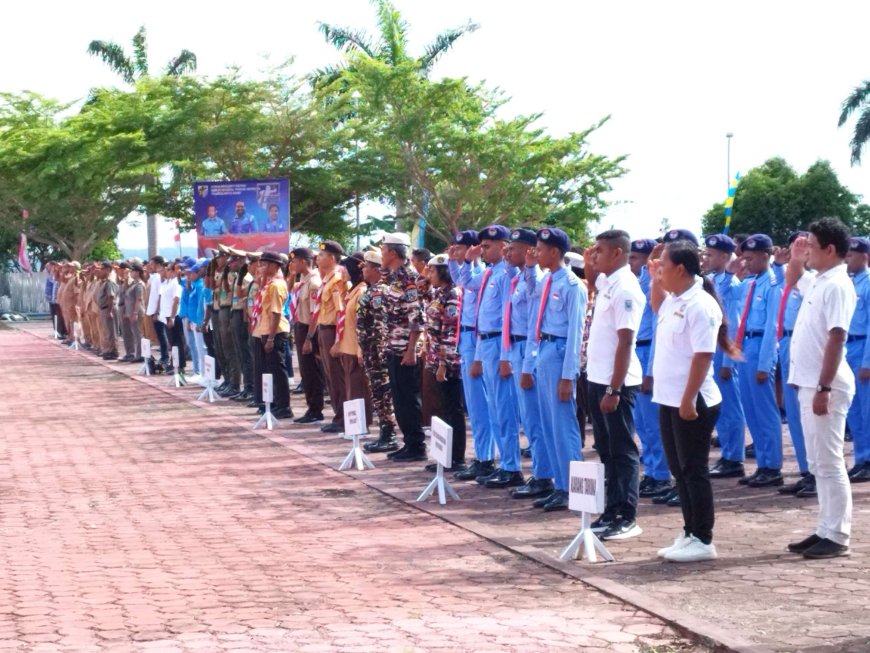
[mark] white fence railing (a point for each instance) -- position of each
(23, 292)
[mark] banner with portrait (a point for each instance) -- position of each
(251, 215)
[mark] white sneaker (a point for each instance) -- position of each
(681, 540)
(194, 378)
(694, 551)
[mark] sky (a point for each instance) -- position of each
(675, 77)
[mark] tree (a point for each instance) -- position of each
(135, 67)
(857, 100)
(775, 200)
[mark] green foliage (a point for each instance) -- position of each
(105, 250)
(774, 199)
(857, 100)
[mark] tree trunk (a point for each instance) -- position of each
(151, 222)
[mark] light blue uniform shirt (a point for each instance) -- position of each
(647, 328)
(763, 314)
(730, 289)
(860, 324)
(461, 274)
(521, 303)
(492, 298)
(564, 314)
(213, 227)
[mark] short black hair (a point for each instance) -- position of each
(616, 238)
(831, 231)
(271, 205)
(400, 250)
(422, 253)
(158, 260)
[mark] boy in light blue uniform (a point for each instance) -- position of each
(552, 359)
(515, 343)
(805, 487)
(656, 475)
(461, 271)
(756, 334)
(731, 424)
(858, 357)
(493, 291)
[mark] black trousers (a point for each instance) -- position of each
(614, 437)
(160, 330)
(177, 339)
(310, 370)
(208, 337)
(582, 406)
(405, 384)
(56, 314)
(272, 363)
(240, 332)
(450, 410)
(687, 449)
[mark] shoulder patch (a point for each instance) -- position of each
(629, 304)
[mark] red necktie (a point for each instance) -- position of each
(506, 327)
(543, 305)
(781, 316)
(741, 330)
(459, 318)
(486, 276)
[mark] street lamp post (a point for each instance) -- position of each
(729, 136)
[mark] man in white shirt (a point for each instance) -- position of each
(170, 296)
(823, 378)
(614, 374)
(157, 269)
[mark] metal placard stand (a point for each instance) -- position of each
(267, 399)
(145, 347)
(76, 335)
(586, 496)
(208, 392)
(54, 322)
(355, 426)
(177, 377)
(442, 452)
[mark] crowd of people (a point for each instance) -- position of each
(670, 339)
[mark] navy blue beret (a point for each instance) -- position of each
(757, 243)
(858, 244)
(495, 232)
(793, 236)
(680, 234)
(643, 245)
(522, 235)
(722, 242)
(468, 238)
(554, 237)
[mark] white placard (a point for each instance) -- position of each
(267, 388)
(175, 357)
(586, 487)
(355, 417)
(146, 348)
(76, 332)
(442, 442)
(208, 366)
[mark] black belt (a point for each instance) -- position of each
(753, 334)
(463, 329)
(489, 334)
(643, 343)
(548, 337)
(856, 337)
(787, 333)
(518, 338)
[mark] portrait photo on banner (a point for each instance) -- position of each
(251, 215)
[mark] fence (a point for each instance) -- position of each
(23, 292)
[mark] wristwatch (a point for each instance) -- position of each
(310, 336)
(823, 388)
(610, 391)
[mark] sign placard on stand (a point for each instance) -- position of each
(208, 368)
(355, 426)
(441, 451)
(267, 399)
(177, 378)
(586, 496)
(54, 322)
(146, 354)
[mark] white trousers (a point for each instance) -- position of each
(824, 439)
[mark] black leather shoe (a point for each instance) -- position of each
(332, 428)
(475, 469)
(794, 488)
(804, 544)
(674, 500)
(284, 413)
(745, 480)
(543, 500)
(458, 466)
(768, 478)
(826, 548)
(397, 451)
(663, 499)
(483, 478)
(559, 501)
(381, 446)
(808, 491)
(727, 469)
(526, 452)
(309, 418)
(298, 390)
(504, 478)
(534, 488)
(253, 404)
(261, 409)
(750, 451)
(110, 357)
(644, 482)
(244, 395)
(861, 474)
(229, 391)
(655, 488)
(410, 455)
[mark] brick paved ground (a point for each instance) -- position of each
(133, 519)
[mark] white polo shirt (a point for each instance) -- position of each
(153, 294)
(169, 290)
(686, 325)
(829, 303)
(619, 304)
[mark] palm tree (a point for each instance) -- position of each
(133, 68)
(858, 99)
(390, 47)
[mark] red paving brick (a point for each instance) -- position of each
(133, 519)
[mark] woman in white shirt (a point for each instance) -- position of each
(690, 323)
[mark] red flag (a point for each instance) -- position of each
(177, 236)
(23, 261)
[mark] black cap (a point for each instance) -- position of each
(106, 264)
(124, 265)
(273, 257)
(332, 247)
(303, 253)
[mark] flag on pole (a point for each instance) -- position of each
(23, 260)
(729, 203)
